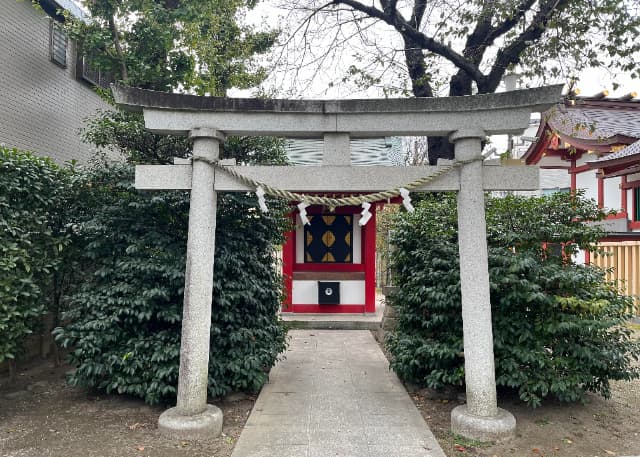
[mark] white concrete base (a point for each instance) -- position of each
(499, 428)
(201, 427)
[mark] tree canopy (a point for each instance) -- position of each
(124, 318)
(174, 44)
(459, 47)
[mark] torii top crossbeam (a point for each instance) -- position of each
(501, 113)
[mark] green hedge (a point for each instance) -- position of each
(33, 192)
(124, 323)
(558, 327)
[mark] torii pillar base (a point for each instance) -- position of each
(496, 428)
(199, 427)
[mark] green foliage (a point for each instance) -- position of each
(32, 192)
(124, 322)
(165, 45)
(558, 326)
(123, 326)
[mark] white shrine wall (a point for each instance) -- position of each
(612, 194)
(306, 292)
(588, 182)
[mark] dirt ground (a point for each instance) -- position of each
(599, 428)
(41, 416)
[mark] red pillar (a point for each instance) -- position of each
(623, 194)
(369, 259)
(600, 192)
(288, 259)
(573, 177)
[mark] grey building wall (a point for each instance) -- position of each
(42, 105)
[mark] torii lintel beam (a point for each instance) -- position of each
(338, 179)
(501, 113)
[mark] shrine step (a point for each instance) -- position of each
(312, 321)
(332, 322)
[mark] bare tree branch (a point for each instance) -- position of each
(511, 53)
(417, 14)
(423, 41)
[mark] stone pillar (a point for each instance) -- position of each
(480, 418)
(193, 418)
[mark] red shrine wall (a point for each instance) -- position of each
(329, 265)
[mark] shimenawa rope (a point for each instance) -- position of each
(328, 201)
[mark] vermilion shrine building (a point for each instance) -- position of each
(597, 140)
(329, 265)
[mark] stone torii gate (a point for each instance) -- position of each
(465, 120)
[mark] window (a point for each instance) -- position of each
(57, 44)
(329, 239)
(87, 72)
(636, 204)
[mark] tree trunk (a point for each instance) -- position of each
(439, 146)
(12, 371)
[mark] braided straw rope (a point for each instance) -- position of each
(333, 203)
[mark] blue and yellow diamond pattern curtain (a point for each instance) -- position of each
(329, 239)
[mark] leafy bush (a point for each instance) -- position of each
(32, 192)
(558, 327)
(124, 324)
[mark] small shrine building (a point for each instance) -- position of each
(329, 264)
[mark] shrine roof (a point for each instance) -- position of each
(623, 162)
(633, 150)
(587, 123)
(593, 123)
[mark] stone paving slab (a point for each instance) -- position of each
(334, 396)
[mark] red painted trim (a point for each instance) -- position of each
(634, 225)
(587, 257)
(555, 167)
(536, 149)
(323, 309)
(620, 215)
(635, 237)
(630, 184)
(318, 209)
(580, 169)
(600, 192)
(369, 260)
(619, 170)
(623, 193)
(574, 182)
(288, 259)
(596, 144)
(342, 267)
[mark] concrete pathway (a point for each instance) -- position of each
(335, 396)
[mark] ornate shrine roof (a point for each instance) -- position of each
(582, 124)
